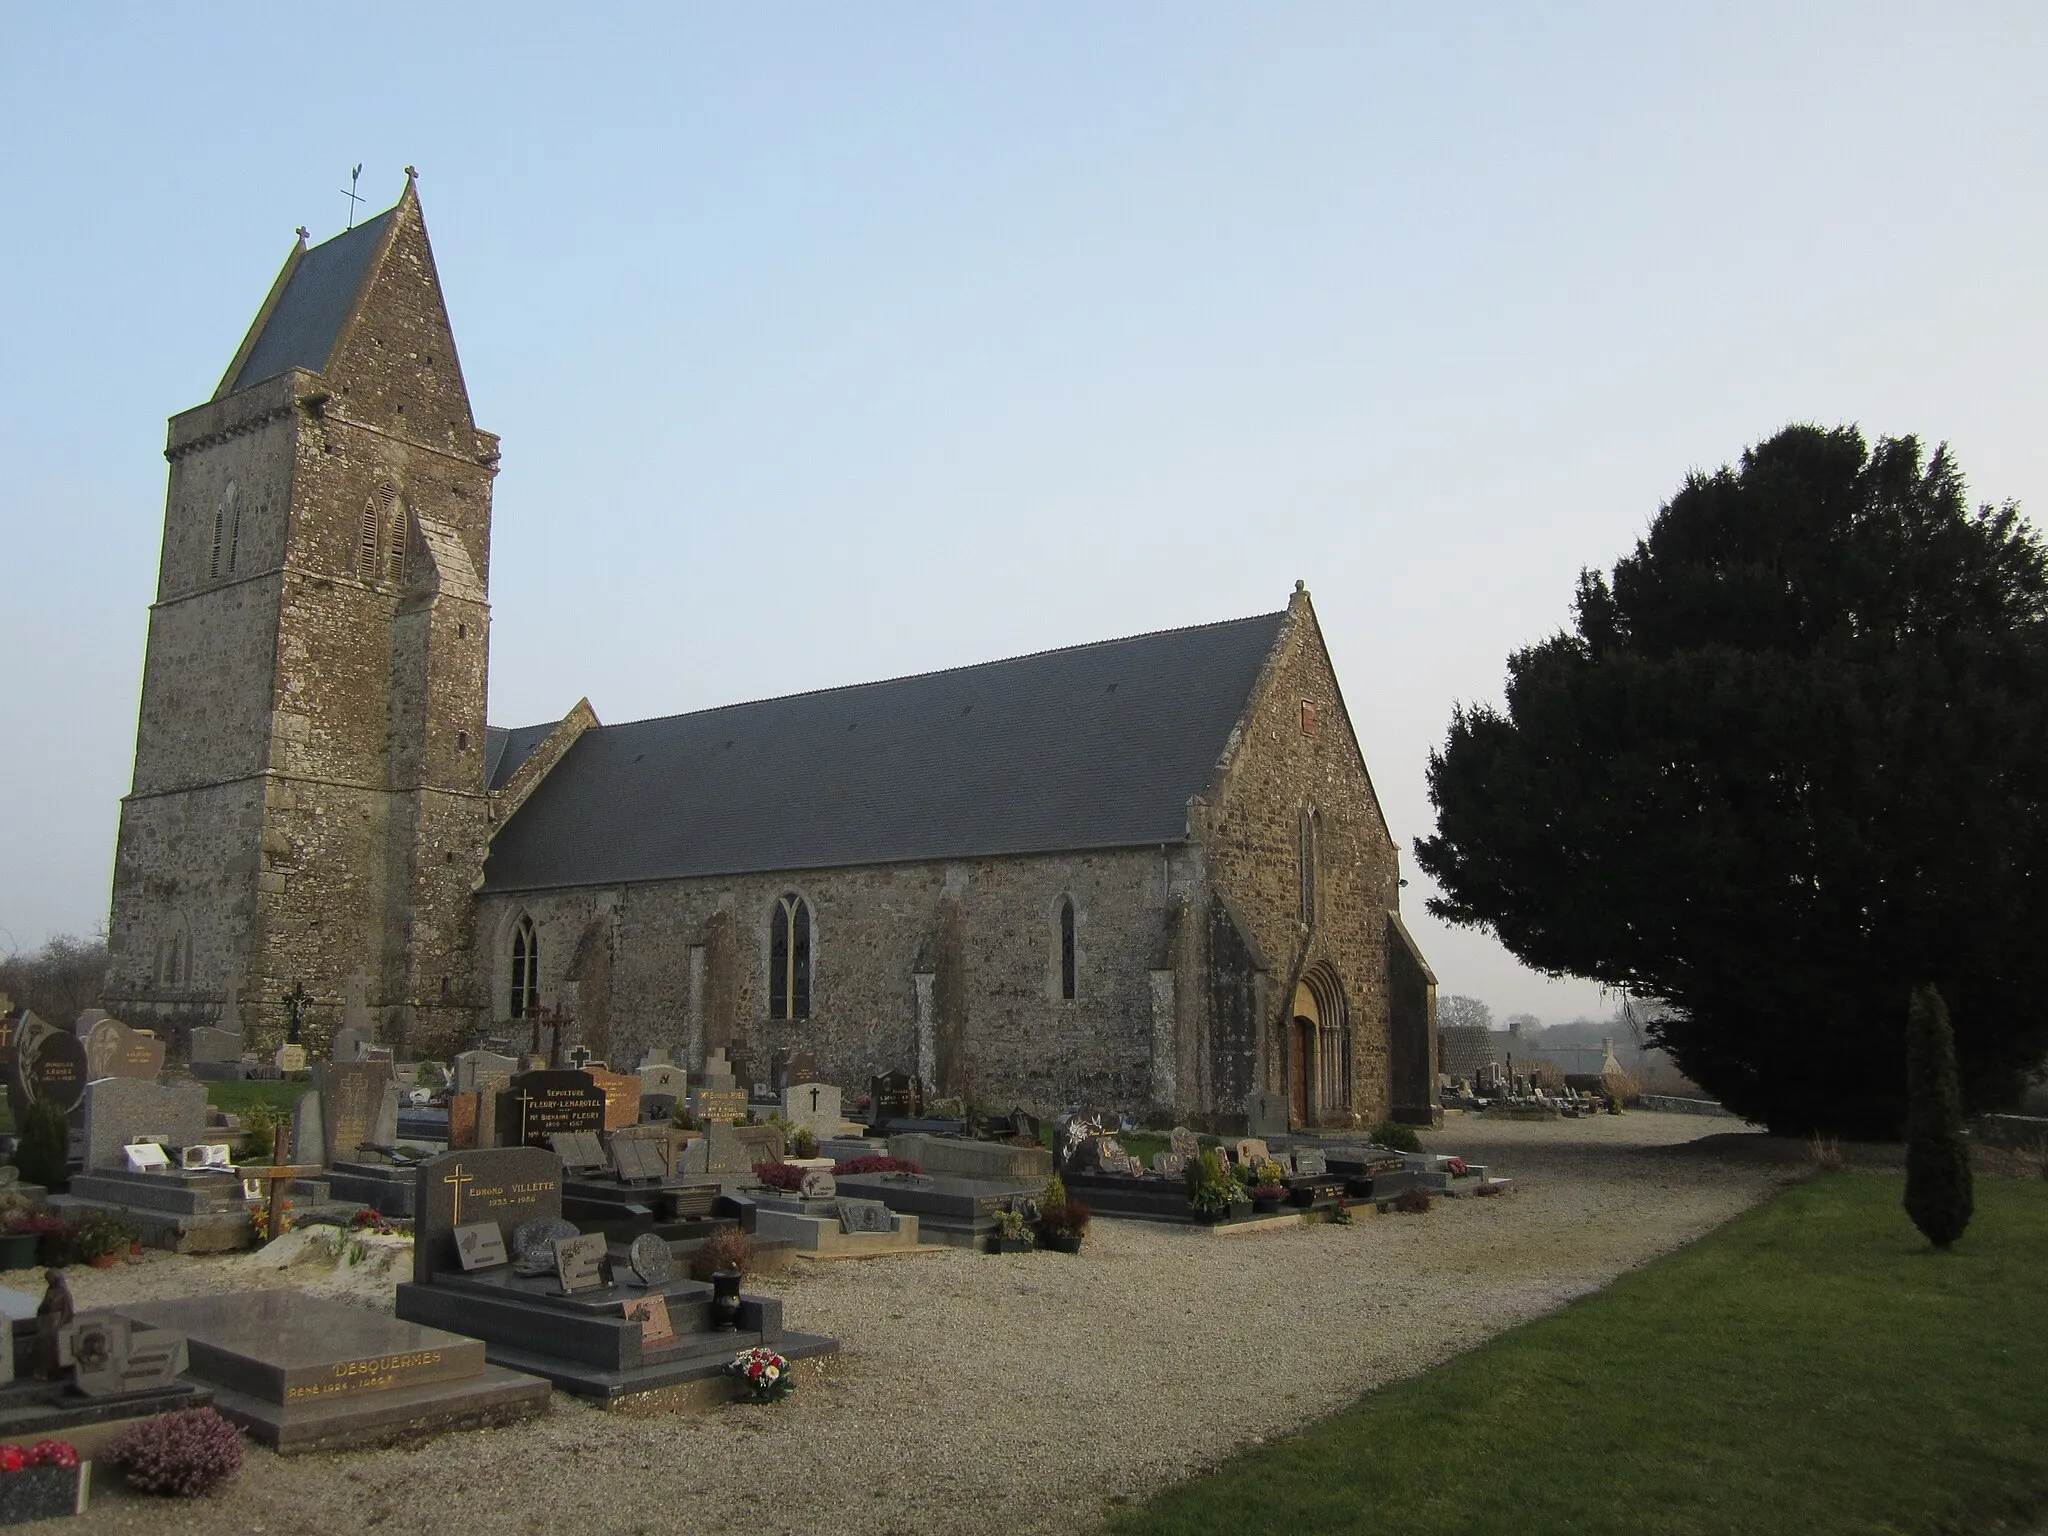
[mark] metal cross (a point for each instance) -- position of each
(455, 1181)
(353, 177)
(296, 1000)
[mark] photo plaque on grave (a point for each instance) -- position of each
(579, 1262)
(651, 1312)
(863, 1216)
(652, 1260)
(480, 1245)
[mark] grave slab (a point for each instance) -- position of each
(303, 1373)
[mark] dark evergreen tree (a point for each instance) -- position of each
(43, 1152)
(1938, 1189)
(1791, 761)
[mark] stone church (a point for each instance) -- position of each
(1149, 874)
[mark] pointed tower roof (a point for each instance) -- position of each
(310, 303)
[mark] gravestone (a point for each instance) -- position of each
(717, 1070)
(657, 1108)
(1251, 1151)
(736, 1148)
(1069, 1133)
(579, 1262)
(121, 1110)
(863, 1216)
(652, 1260)
(1183, 1144)
(352, 1101)
(744, 1068)
(815, 1105)
(465, 1111)
(579, 1151)
(348, 1045)
(1171, 1164)
(541, 1104)
(714, 1105)
(654, 1056)
(83, 1024)
(478, 1070)
(638, 1159)
(819, 1184)
(384, 1126)
(210, 1045)
(48, 1067)
(894, 1096)
(1310, 1162)
(290, 1058)
(788, 1069)
(1265, 1113)
(663, 1078)
(112, 1049)
(506, 1185)
(621, 1097)
(309, 1133)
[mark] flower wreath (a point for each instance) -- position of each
(763, 1375)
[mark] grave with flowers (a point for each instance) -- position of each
(493, 1258)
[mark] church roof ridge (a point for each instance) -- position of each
(913, 677)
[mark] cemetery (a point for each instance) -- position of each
(422, 1250)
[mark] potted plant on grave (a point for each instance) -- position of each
(26, 1226)
(1213, 1190)
(804, 1143)
(777, 1175)
(98, 1238)
(1266, 1198)
(1012, 1233)
(1062, 1223)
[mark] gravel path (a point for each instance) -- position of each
(1020, 1393)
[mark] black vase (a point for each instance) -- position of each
(725, 1299)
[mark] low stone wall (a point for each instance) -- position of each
(2022, 1133)
(1672, 1105)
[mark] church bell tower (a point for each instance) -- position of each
(308, 808)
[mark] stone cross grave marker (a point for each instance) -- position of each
(119, 1111)
(506, 1185)
(717, 1070)
(541, 1104)
(711, 1105)
(115, 1050)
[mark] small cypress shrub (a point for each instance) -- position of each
(259, 1124)
(1938, 1195)
(1396, 1137)
(43, 1154)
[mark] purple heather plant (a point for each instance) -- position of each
(182, 1454)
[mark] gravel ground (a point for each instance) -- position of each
(1025, 1392)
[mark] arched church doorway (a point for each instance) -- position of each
(1301, 1056)
(1320, 1049)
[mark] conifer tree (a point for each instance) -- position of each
(1938, 1194)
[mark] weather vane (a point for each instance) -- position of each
(354, 176)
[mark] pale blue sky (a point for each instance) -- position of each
(833, 343)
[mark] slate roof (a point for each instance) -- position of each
(301, 330)
(505, 750)
(1097, 746)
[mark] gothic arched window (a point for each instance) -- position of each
(1067, 968)
(1308, 866)
(789, 959)
(525, 967)
(367, 530)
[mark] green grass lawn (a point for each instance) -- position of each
(234, 1098)
(1812, 1367)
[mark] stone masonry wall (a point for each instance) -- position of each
(873, 929)
(1251, 829)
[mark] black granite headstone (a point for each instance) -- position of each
(544, 1104)
(48, 1067)
(508, 1185)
